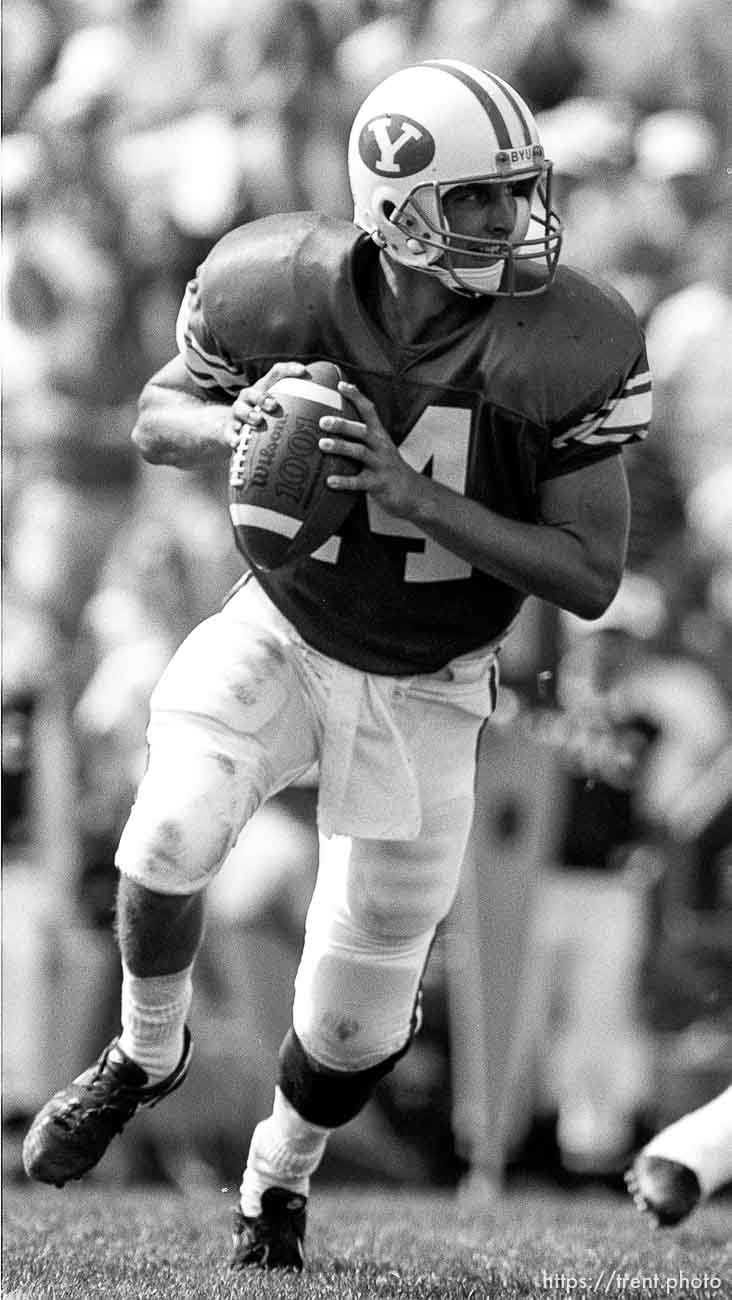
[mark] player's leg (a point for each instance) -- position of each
(370, 926)
(231, 722)
(686, 1162)
(601, 1056)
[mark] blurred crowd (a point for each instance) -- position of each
(136, 132)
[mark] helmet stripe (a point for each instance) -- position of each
(503, 135)
(514, 101)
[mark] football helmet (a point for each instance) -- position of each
(443, 125)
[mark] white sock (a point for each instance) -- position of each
(285, 1151)
(153, 1015)
(701, 1140)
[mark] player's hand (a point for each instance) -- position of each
(385, 474)
(252, 403)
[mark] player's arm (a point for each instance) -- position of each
(183, 424)
(573, 556)
(191, 413)
(179, 423)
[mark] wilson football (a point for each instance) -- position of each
(280, 504)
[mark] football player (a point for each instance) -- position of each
(685, 1163)
(495, 392)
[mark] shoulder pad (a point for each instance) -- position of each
(265, 285)
(565, 349)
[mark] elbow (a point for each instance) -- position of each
(595, 596)
(145, 436)
(144, 442)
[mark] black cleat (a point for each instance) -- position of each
(275, 1238)
(73, 1130)
(665, 1189)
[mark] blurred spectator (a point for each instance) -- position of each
(72, 319)
(632, 191)
(40, 853)
(30, 45)
(170, 566)
(293, 107)
(637, 730)
(689, 342)
(591, 915)
(387, 35)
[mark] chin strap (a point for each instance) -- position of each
(471, 281)
(484, 279)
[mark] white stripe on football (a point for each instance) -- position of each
(309, 391)
(259, 517)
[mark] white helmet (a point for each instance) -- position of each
(432, 128)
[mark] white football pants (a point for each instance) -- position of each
(246, 707)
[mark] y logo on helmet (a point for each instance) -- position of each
(392, 145)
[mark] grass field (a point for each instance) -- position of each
(92, 1242)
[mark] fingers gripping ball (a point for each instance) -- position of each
(280, 504)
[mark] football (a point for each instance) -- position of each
(280, 504)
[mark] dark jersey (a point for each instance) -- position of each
(603, 814)
(521, 391)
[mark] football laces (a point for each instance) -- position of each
(237, 476)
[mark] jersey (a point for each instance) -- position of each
(521, 391)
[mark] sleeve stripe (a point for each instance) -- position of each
(599, 433)
(633, 433)
(205, 373)
(204, 379)
(639, 383)
(208, 358)
(633, 409)
(623, 420)
(206, 368)
(203, 362)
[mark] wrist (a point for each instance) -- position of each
(226, 431)
(422, 507)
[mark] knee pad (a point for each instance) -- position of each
(189, 810)
(226, 730)
(329, 1097)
